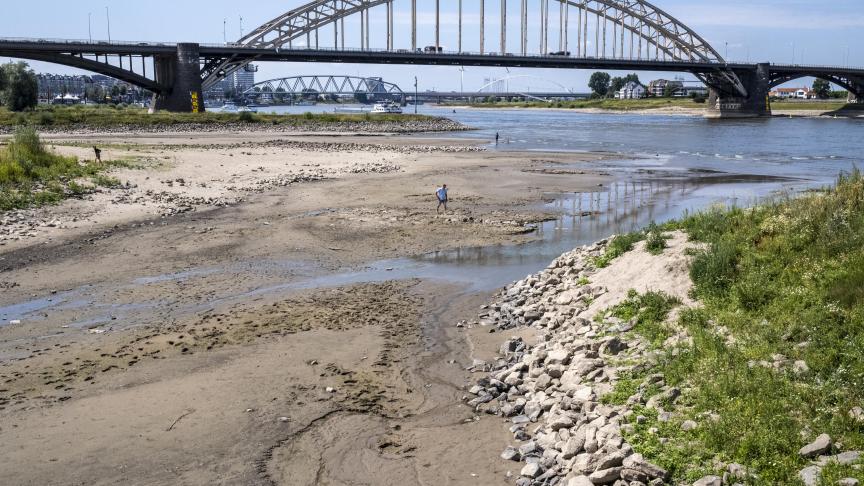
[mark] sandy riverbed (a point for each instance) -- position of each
(164, 342)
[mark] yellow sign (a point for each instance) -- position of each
(195, 106)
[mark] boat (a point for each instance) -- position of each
(231, 107)
(386, 107)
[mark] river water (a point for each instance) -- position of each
(670, 165)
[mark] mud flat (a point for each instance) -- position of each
(162, 332)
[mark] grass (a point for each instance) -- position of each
(782, 279)
(814, 105)
(619, 245)
(649, 310)
(104, 116)
(655, 241)
(32, 175)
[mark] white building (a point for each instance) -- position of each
(793, 93)
(631, 91)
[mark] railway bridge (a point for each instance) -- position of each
(631, 35)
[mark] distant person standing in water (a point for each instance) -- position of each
(496, 138)
(441, 194)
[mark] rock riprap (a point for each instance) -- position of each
(551, 392)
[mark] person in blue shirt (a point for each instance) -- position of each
(441, 194)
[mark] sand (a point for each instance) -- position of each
(184, 347)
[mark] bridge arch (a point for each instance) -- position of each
(93, 66)
(646, 25)
(853, 85)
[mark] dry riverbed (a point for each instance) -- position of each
(167, 336)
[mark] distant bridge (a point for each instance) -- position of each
(627, 35)
(314, 85)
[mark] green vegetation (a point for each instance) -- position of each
(656, 240)
(777, 356)
(31, 175)
(599, 83)
(619, 245)
(106, 116)
(649, 312)
(825, 106)
(822, 88)
(18, 87)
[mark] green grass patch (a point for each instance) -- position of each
(106, 116)
(619, 245)
(784, 280)
(655, 241)
(649, 310)
(32, 175)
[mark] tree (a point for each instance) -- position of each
(822, 89)
(20, 90)
(599, 83)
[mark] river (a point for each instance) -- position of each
(670, 165)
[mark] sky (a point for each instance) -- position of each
(780, 31)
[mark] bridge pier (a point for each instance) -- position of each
(180, 75)
(756, 82)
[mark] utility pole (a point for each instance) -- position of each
(108, 16)
(241, 29)
(89, 26)
(225, 31)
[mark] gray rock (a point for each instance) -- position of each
(531, 470)
(573, 445)
(529, 448)
(737, 471)
(689, 425)
(605, 476)
(848, 482)
(559, 422)
(844, 458)
(511, 454)
(821, 445)
(810, 475)
(612, 460)
(634, 475)
(637, 462)
(709, 481)
(857, 414)
(580, 481)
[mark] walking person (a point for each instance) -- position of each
(496, 138)
(98, 153)
(441, 194)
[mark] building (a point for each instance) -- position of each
(233, 85)
(54, 88)
(691, 91)
(793, 93)
(631, 91)
(658, 87)
(54, 85)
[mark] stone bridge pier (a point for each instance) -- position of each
(723, 104)
(180, 77)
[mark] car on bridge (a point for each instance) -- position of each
(433, 49)
(560, 53)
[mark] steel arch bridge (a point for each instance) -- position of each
(616, 29)
(629, 35)
(329, 85)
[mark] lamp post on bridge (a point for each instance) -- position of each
(89, 26)
(415, 95)
(108, 16)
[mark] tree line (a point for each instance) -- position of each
(19, 89)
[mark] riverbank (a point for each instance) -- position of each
(666, 106)
(89, 120)
(627, 377)
(189, 344)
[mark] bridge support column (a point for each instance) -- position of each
(721, 104)
(180, 74)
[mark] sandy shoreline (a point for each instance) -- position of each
(168, 336)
